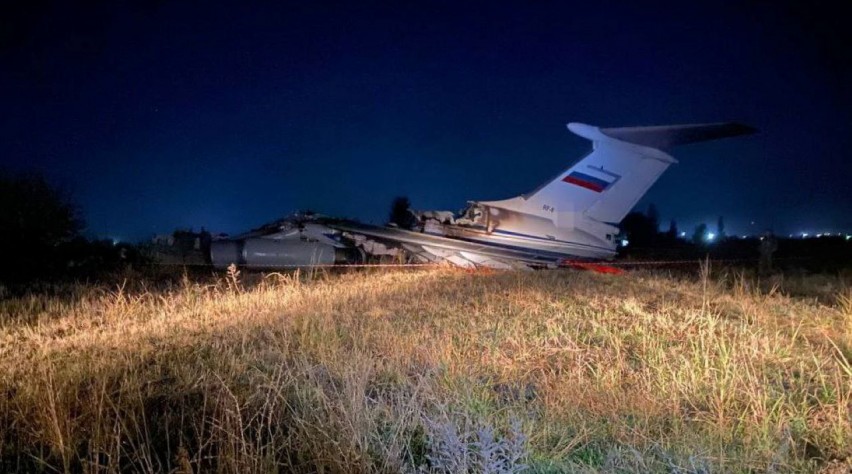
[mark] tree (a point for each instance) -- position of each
(654, 217)
(672, 232)
(400, 213)
(35, 217)
(699, 234)
(639, 229)
(720, 228)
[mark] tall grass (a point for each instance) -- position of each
(428, 371)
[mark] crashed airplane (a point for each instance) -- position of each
(573, 217)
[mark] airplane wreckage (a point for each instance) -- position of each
(571, 217)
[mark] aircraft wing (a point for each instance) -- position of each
(467, 254)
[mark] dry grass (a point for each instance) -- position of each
(429, 371)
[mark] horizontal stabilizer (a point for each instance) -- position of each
(667, 136)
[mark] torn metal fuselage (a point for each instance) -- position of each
(542, 235)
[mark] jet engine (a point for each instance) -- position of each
(259, 252)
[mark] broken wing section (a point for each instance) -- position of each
(426, 248)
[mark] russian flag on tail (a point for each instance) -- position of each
(593, 183)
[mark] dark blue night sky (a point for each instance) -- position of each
(178, 114)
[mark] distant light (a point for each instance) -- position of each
(848, 236)
(745, 236)
(819, 235)
(624, 242)
(804, 234)
(683, 234)
(710, 236)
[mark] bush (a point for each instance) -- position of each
(35, 218)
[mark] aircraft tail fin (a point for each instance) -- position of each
(623, 164)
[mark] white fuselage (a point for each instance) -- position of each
(511, 229)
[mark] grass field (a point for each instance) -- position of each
(433, 370)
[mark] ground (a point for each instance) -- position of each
(434, 370)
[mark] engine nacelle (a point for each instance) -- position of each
(271, 253)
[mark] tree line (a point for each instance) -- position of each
(41, 234)
(642, 229)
